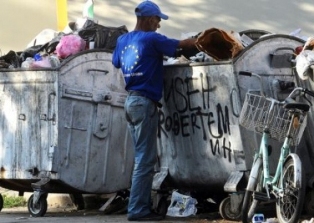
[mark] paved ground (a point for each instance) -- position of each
(70, 215)
(61, 209)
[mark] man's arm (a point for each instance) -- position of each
(187, 48)
(187, 43)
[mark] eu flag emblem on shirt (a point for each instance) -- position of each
(129, 59)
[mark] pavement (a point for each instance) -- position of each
(70, 215)
(61, 209)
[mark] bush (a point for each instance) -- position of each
(13, 201)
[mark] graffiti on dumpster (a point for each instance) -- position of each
(195, 111)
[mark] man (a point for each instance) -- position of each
(139, 54)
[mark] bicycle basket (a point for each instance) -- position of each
(256, 113)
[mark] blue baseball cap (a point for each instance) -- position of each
(149, 8)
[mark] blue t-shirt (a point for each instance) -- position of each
(140, 56)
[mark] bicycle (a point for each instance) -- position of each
(285, 122)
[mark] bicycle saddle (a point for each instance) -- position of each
(297, 105)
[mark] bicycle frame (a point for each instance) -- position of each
(270, 182)
(283, 121)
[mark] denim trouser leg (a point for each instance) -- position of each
(142, 119)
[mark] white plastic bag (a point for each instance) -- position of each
(44, 62)
(27, 63)
(303, 62)
(181, 205)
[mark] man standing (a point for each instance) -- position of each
(139, 54)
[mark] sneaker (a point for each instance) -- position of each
(149, 217)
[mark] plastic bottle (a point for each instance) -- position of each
(258, 218)
(37, 57)
(27, 63)
(88, 11)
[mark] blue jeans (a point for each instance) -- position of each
(142, 117)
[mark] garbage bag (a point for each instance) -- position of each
(219, 44)
(69, 45)
(30, 52)
(181, 205)
(303, 62)
(10, 60)
(105, 37)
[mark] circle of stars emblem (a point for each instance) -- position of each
(129, 57)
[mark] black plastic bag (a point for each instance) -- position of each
(10, 60)
(46, 48)
(105, 37)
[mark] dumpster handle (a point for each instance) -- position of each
(282, 48)
(51, 108)
(100, 70)
(232, 105)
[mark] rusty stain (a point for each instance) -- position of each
(2, 169)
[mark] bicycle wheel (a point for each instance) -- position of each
(249, 203)
(289, 205)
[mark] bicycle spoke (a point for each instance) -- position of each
(290, 202)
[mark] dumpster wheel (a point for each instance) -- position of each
(39, 209)
(1, 202)
(226, 212)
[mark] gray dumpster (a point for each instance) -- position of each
(63, 130)
(202, 148)
(200, 140)
(271, 57)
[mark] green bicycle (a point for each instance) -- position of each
(285, 122)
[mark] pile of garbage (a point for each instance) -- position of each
(49, 47)
(85, 34)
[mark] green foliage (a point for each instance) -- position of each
(13, 201)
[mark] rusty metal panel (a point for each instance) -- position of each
(199, 135)
(94, 148)
(27, 130)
